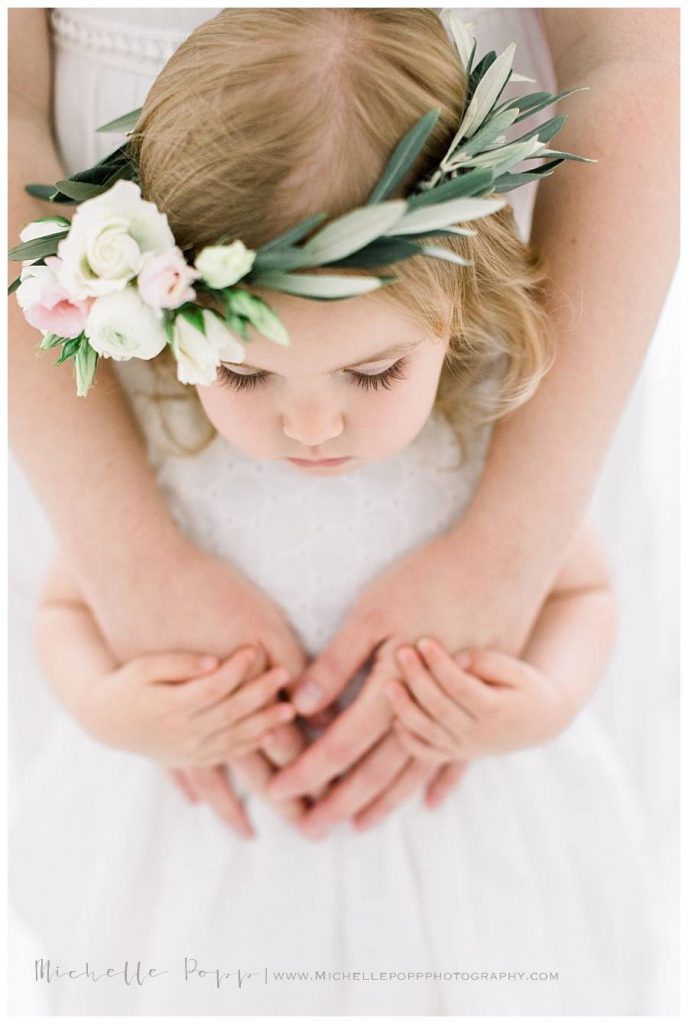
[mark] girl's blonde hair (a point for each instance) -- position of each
(265, 116)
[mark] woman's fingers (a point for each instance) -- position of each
(178, 777)
(354, 731)
(444, 781)
(283, 744)
(336, 666)
(255, 771)
(215, 789)
(413, 775)
(371, 775)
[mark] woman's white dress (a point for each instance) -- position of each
(536, 864)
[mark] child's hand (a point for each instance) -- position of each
(182, 709)
(472, 704)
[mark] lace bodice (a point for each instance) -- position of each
(146, 35)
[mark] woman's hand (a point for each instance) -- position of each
(383, 775)
(449, 588)
(455, 588)
(472, 704)
(189, 599)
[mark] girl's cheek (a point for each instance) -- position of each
(236, 417)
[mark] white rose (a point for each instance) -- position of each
(223, 265)
(197, 354)
(121, 326)
(108, 237)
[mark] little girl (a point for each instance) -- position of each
(524, 892)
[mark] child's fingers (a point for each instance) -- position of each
(416, 748)
(202, 694)
(415, 718)
(467, 691)
(429, 695)
(175, 667)
(244, 701)
(495, 667)
(228, 742)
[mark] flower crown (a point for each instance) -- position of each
(112, 283)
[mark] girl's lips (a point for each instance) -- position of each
(319, 462)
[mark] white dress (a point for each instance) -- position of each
(535, 866)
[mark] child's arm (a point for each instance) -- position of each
(575, 630)
(480, 702)
(179, 708)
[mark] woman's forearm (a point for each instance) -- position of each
(608, 235)
(84, 457)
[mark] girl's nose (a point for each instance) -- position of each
(312, 425)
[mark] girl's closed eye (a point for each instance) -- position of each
(386, 379)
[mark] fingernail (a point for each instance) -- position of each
(424, 645)
(307, 698)
(207, 661)
(406, 655)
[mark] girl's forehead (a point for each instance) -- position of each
(325, 359)
(328, 336)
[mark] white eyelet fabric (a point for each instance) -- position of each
(537, 862)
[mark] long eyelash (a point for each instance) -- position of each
(386, 379)
(367, 381)
(240, 381)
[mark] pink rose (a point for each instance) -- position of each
(46, 304)
(164, 280)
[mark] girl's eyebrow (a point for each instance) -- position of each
(393, 350)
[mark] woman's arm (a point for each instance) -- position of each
(87, 464)
(84, 458)
(608, 235)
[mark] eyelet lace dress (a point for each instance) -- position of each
(527, 892)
